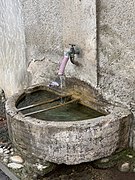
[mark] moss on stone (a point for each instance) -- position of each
(127, 155)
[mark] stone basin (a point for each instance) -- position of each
(69, 142)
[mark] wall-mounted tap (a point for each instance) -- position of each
(68, 55)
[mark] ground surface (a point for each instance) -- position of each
(87, 172)
(3, 176)
(3, 139)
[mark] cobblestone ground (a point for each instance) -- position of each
(3, 131)
(3, 139)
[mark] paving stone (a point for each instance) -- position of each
(15, 165)
(125, 167)
(16, 159)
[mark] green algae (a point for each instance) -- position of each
(126, 155)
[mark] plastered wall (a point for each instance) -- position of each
(12, 47)
(116, 55)
(50, 26)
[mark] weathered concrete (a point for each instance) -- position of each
(116, 49)
(116, 55)
(50, 26)
(70, 142)
(12, 49)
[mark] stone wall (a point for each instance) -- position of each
(116, 49)
(50, 26)
(116, 55)
(12, 50)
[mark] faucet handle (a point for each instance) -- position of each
(72, 45)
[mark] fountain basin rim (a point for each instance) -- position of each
(70, 142)
(13, 111)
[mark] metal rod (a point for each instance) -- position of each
(47, 109)
(37, 104)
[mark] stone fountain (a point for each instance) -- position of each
(68, 141)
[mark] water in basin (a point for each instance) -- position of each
(68, 112)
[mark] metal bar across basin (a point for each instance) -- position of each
(40, 103)
(50, 108)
